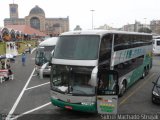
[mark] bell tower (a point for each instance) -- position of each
(13, 8)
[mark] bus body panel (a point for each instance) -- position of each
(132, 76)
(156, 46)
(129, 54)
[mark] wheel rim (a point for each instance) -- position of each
(123, 88)
(143, 74)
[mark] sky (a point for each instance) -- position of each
(115, 13)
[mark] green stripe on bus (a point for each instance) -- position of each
(77, 107)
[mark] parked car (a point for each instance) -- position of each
(156, 91)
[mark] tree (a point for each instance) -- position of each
(145, 30)
(77, 28)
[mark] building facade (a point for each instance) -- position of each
(135, 27)
(37, 20)
(155, 26)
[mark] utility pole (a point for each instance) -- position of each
(92, 18)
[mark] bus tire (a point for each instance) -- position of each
(123, 89)
(145, 72)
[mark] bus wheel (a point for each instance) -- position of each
(123, 89)
(145, 72)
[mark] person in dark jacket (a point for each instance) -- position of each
(23, 59)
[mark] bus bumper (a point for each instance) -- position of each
(76, 107)
(45, 71)
(156, 52)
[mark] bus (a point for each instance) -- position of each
(84, 60)
(156, 45)
(43, 55)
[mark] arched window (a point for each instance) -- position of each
(35, 23)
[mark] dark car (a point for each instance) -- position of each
(156, 91)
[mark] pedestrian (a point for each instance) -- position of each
(29, 50)
(23, 59)
(3, 64)
(8, 64)
(10, 74)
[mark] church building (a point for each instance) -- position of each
(37, 20)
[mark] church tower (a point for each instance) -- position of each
(13, 10)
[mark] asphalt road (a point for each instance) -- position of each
(28, 97)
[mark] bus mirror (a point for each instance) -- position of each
(93, 81)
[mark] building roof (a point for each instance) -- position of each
(36, 10)
(26, 29)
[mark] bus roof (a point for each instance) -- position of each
(156, 37)
(101, 32)
(49, 42)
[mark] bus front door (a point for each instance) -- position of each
(107, 91)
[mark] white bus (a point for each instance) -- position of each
(156, 45)
(90, 65)
(43, 55)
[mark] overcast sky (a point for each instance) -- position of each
(115, 13)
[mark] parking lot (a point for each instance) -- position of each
(28, 96)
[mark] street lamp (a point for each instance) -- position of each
(145, 22)
(92, 17)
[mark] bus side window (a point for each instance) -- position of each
(105, 49)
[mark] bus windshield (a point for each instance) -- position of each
(79, 47)
(72, 80)
(43, 54)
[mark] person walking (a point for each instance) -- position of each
(8, 65)
(29, 50)
(23, 59)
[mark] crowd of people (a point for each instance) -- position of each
(11, 45)
(5, 62)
